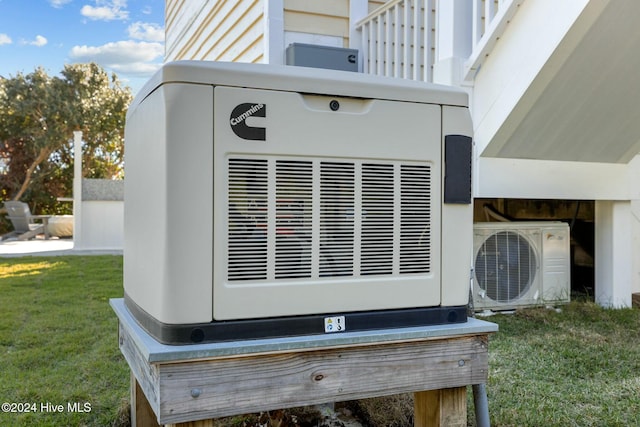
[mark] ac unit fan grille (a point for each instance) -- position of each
(313, 218)
(505, 266)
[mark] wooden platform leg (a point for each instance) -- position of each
(141, 413)
(436, 408)
(143, 416)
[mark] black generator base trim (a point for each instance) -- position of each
(278, 327)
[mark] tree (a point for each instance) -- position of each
(38, 115)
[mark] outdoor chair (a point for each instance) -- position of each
(24, 224)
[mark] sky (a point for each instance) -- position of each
(123, 36)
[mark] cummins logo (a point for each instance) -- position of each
(238, 121)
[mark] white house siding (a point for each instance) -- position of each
(223, 30)
(327, 18)
(231, 30)
(182, 19)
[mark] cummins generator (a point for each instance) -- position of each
(268, 201)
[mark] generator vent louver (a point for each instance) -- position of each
(292, 218)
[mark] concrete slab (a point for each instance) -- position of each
(51, 247)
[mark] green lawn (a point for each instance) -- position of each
(579, 367)
(58, 346)
(58, 341)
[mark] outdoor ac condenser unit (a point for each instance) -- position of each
(265, 201)
(521, 264)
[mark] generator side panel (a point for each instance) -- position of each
(457, 211)
(168, 204)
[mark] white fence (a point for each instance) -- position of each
(99, 221)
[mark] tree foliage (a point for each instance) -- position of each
(38, 115)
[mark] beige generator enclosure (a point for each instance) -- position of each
(265, 201)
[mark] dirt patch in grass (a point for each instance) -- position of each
(389, 411)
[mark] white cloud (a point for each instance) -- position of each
(5, 39)
(39, 41)
(58, 3)
(136, 69)
(146, 31)
(106, 10)
(127, 57)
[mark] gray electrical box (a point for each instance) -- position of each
(316, 56)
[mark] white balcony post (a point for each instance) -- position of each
(407, 40)
(453, 40)
(417, 24)
(477, 29)
(380, 45)
(388, 37)
(489, 12)
(615, 251)
(427, 41)
(617, 257)
(358, 9)
(634, 193)
(397, 41)
(373, 46)
(274, 32)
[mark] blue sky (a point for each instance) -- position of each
(123, 36)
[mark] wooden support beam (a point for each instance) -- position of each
(444, 407)
(142, 414)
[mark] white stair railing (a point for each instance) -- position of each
(490, 18)
(398, 40)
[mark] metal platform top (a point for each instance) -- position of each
(156, 352)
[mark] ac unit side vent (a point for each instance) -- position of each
(314, 218)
